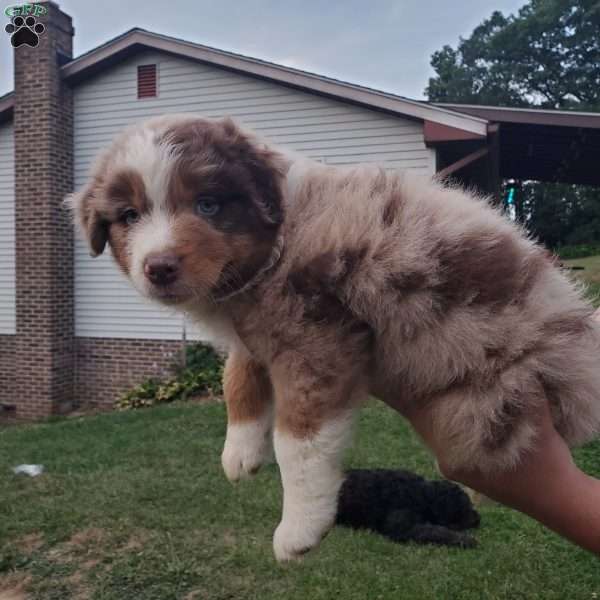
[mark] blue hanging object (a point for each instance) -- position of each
(510, 199)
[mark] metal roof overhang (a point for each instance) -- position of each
(545, 145)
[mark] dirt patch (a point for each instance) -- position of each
(16, 593)
(229, 539)
(77, 583)
(88, 565)
(84, 538)
(195, 595)
(30, 543)
(75, 579)
(136, 542)
(60, 554)
(12, 587)
(77, 546)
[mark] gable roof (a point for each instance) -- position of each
(138, 39)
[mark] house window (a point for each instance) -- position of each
(147, 81)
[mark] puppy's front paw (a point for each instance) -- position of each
(246, 450)
(293, 539)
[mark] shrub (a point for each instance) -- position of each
(580, 251)
(201, 376)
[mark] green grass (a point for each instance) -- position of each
(135, 506)
(590, 274)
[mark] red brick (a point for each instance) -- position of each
(43, 349)
(106, 367)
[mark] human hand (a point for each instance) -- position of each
(546, 485)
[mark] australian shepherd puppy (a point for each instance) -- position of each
(330, 284)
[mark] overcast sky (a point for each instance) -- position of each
(385, 44)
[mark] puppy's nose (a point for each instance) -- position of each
(161, 269)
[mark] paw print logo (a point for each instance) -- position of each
(24, 31)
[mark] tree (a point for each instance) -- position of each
(561, 214)
(547, 56)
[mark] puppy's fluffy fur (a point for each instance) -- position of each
(405, 507)
(332, 283)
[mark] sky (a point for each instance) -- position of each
(384, 44)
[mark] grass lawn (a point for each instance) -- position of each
(135, 506)
(590, 274)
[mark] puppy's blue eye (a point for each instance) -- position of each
(207, 207)
(130, 216)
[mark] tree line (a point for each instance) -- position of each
(545, 56)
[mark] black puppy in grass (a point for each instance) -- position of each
(406, 507)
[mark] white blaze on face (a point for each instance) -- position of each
(153, 159)
(153, 234)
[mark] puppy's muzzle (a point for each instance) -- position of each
(162, 270)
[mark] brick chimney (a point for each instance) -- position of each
(43, 130)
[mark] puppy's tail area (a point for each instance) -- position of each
(576, 405)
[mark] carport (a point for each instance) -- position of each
(521, 144)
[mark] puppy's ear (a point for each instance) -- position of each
(93, 227)
(268, 177)
(266, 168)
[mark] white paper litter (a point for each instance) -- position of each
(31, 470)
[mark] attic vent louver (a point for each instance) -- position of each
(146, 81)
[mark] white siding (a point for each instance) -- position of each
(7, 230)
(329, 130)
